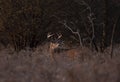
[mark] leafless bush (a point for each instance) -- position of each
(25, 27)
(23, 30)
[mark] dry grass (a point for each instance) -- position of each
(36, 66)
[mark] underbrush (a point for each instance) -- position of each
(36, 66)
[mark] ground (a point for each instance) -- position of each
(36, 66)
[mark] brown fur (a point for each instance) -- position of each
(51, 49)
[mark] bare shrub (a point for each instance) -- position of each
(24, 30)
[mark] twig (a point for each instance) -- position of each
(90, 18)
(112, 37)
(77, 32)
(93, 30)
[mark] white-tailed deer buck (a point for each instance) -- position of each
(54, 43)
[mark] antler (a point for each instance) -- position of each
(59, 35)
(49, 35)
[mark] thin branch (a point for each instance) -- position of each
(77, 32)
(93, 30)
(112, 37)
(87, 7)
(90, 18)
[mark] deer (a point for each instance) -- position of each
(54, 43)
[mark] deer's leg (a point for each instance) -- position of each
(52, 55)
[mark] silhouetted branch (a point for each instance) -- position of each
(112, 37)
(91, 17)
(74, 32)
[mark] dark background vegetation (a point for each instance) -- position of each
(25, 23)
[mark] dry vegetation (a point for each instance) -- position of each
(36, 65)
(59, 41)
